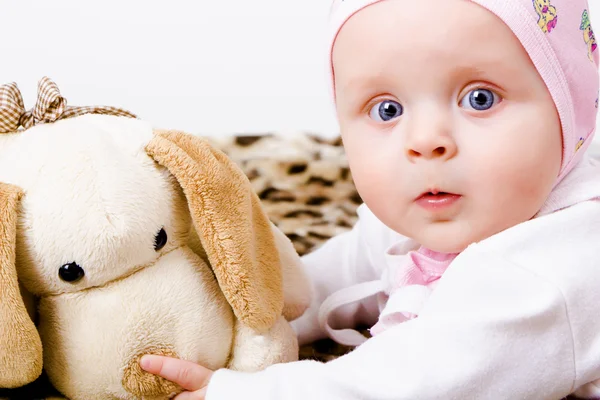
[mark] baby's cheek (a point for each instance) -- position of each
(368, 170)
(371, 187)
(381, 185)
(528, 188)
(513, 194)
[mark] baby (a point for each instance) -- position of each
(476, 258)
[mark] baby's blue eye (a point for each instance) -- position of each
(386, 110)
(480, 100)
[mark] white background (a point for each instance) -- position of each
(208, 67)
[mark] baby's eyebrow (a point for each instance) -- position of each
(361, 84)
(355, 84)
(492, 69)
(474, 71)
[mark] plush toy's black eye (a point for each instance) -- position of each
(71, 272)
(160, 239)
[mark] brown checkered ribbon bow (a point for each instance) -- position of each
(50, 107)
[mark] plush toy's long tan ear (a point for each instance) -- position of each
(20, 344)
(233, 228)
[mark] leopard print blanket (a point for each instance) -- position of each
(303, 181)
(306, 189)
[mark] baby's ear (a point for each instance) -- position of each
(233, 229)
(20, 344)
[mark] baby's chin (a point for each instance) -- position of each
(446, 237)
(446, 246)
(453, 236)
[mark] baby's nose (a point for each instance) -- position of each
(437, 152)
(431, 147)
(429, 134)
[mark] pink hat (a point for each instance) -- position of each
(559, 39)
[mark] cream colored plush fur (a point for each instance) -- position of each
(94, 196)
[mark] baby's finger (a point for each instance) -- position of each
(186, 374)
(197, 395)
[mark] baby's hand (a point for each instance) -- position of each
(192, 377)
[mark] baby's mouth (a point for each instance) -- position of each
(436, 200)
(545, 9)
(435, 192)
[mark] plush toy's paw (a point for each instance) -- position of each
(144, 385)
(253, 351)
(296, 285)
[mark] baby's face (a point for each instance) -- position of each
(450, 132)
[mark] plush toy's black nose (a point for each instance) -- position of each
(71, 272)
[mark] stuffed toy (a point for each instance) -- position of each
(121, 240)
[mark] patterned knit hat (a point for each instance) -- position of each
(559, 39)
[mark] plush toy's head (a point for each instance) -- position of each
(112, 199)
(97, 208)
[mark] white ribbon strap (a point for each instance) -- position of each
(407, 299)
(402, 305)
(352, 294)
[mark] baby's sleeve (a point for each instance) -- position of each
(347, 259)
(491, 330)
